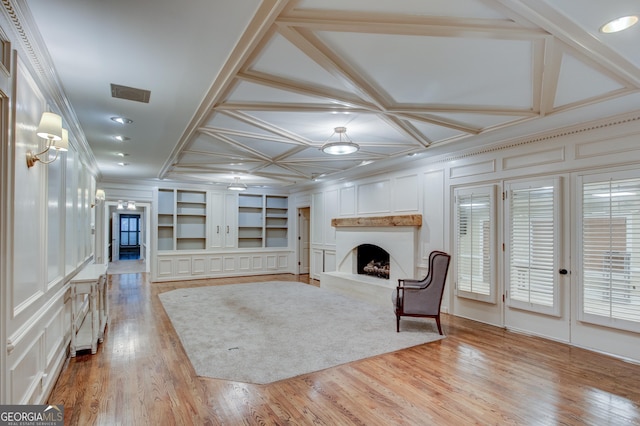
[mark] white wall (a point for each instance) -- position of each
(46, 235)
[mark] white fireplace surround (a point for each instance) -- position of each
(400, 241)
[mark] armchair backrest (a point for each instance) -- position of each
(428, 298)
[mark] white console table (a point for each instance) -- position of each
(92, 281)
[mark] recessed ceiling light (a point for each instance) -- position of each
(122, 154)
(123, 164)
(121, 138)
(619, 24)
(122, 120)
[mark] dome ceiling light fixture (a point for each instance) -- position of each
(236, 185)
(343, 146)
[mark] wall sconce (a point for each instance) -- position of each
(50, 128)
(120, 205)
(100, 197)
(131, 205)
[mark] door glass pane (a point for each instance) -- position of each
(610, 243)
(475, 243)
(532, 247)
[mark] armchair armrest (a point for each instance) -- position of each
(409, 284)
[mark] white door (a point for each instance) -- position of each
(304, 243)
(115, 236)
(537, 280)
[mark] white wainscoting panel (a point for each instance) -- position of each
(374, 197)
(256, 263)
(244, 263)
(54, 333)
(347, 201)
(405, 194)
(330, 212)
(283, 261)
(229, 263)
(26, 372)
(183, 266)
(317, 218)
(627, 143)
(432, 233)
(165, 267)
(548, 156)
(272, 261)
(198, 265)
(215, 264)
(474, 169)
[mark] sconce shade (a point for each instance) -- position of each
(131, 205)
(62, 144)
(120, 206)
(100, 195)
(50, 126)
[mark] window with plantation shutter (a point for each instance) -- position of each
(532, 248)
(475, 243)
(610, 256)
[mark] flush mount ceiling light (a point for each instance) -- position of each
(341, 147)
(619, 24)
(236, 185)
(122, 120)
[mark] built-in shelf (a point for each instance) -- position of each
(262, 221)
(182, 219)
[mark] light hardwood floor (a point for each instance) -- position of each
(478, 374)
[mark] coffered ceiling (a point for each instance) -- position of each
(255, 88)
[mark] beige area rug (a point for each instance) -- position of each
(127, 267)
(265, 332)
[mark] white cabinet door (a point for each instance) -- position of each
(230, 220)
(223, 211)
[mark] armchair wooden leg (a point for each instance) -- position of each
(438, 323)
(397, 323)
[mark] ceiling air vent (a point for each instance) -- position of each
(130, 93)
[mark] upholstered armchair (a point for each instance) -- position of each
(422, 298)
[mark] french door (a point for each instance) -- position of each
(536, 259)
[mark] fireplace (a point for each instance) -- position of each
(373, 260)
(396, 237)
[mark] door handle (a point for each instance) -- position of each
(563, 272)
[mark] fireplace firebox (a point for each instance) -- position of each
(373, 260)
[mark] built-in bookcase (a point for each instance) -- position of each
(262, 221)
(166, 219)
(250, 221)
(182, 219)
(276, 221)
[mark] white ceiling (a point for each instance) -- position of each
(254, 88)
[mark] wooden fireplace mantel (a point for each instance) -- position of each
(402, 220)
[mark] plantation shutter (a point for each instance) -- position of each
(475, 243)
(610, 290)
(532, 247)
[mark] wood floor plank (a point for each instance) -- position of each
(478, 374)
